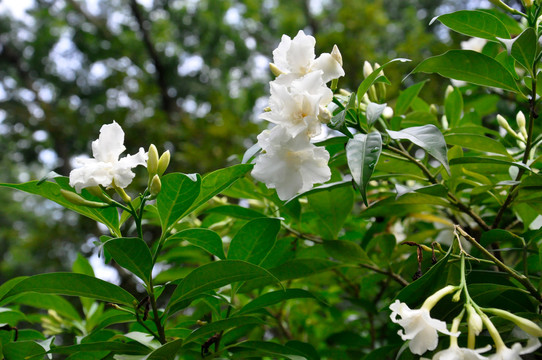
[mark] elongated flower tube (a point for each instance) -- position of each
(106, 169)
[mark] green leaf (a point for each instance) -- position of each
(178, 193)
(487, 160)
(500, 236)
(370, 80)
(236, 211)
(22, 350)
(166, 351)
(217, 181)
(475, 23)
(73, 285)
(220, 325)
(49, 190)
(406, 97)
(362, 153)
(476, 142)
(524, 49)
(275, 297)
(470, 66)
(48, 302)
(217, 274)
(205, 239)
(428, 137)
(82, 266)
(434, 190)
(132, 254)
(417, 118)
(453, 106)
(332, 205)
(346, 251)
(254, 240)
(270, 348)
(134, 348)
(373, 112)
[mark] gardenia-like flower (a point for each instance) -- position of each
(290, 164)
(418, 326)
(105, 168)
(297, 56)
(454, 352)
(506, 353)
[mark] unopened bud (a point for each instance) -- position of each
(474, 321)
(372, 94)
(324, 115)
(336, 54)
(432, 300)
(433, 109)
(163, 163)
(156, 186)
(275, 70)
(449, 90)
(520, 119)
(387, 113)
(367, 69)
(77, 199)
(528, 3)
(504, 124)
(152, 162)
(457, 296)
(98, 192)
(123, 194)
(444, 121)
(526, 325)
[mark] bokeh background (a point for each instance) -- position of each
(189, 76)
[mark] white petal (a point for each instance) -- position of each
(109, 145)
(330, 67)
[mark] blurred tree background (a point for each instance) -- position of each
(189, 76)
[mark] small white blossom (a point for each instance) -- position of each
(454, 352)
(291, 165)
(297, 56)
(418, 326)
(506, 353)
(105, 168)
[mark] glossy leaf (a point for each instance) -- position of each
(217, 274)
(453, 107)
(254, 240)
(362, 153)
(179, 191)
(133, 348)
(373, 112)
(270, 348)
(524, 49)
(203, 238)
(275, 297)
(476, 142)
(217, 181)
(428, 137)
(22, 350)
(166, 351)
(470, 66)
(48, 302)
(73, 285)
(406, 97)
(236, 211)
(475, 23)
(346, 251)
(332, 206)
(49, 190)
(132, 254)
(487, 160)
(370, 80)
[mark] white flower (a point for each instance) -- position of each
(297, 56)
(290, 164)
(105, 168)
(506, 353)
(475, 44)
(419, 327)
(296, 105)
(454, 352)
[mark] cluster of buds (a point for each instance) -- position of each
(521, 135)
(156, 167)
(377, 92)
(422, 330)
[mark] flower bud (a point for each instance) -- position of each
(444, 121)
(432, 300)
(433, 109)
(474, 321)
(526, 325)
(324, 115)
(336, 54)
(528, 3)
(123, 194)
(449, 90)
(77, 199)
(504, 124)
(163, 163)
(387, 113)
(156, 186)
(152, 162)
(98, 192)
(520, 119)
(457, 296)
(367, 69)
(275, 70)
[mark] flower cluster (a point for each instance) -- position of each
(299, 95)
(421, 330)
